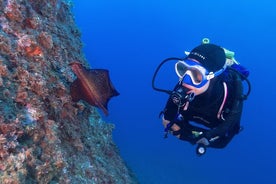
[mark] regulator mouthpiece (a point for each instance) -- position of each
(180, 96)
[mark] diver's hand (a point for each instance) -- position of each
(174, 126)
(203, 141)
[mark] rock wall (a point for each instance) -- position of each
(44, 136)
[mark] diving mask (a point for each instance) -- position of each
(193, 73)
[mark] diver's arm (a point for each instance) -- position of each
(180, 127)
(170, 110)
(231, 122)
(169, 114)
(232, 115)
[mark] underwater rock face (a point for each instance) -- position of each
(44, 136)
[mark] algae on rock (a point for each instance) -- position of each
(44, 136)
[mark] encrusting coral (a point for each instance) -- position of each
(44, 136)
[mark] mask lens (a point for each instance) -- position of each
(196, 75)
(180, 69)
(192, 69)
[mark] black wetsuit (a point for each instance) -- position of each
(201, 119)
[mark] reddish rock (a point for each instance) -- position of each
(44, 136)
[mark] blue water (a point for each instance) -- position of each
(130, 38)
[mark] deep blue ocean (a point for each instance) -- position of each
(131, 38)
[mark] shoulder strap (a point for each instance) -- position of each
(219, 114)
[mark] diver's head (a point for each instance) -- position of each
(201, 65)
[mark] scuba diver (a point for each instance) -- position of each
(206, 104)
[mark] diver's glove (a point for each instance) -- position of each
(168, 129)
(201, 138)
(203, 141)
